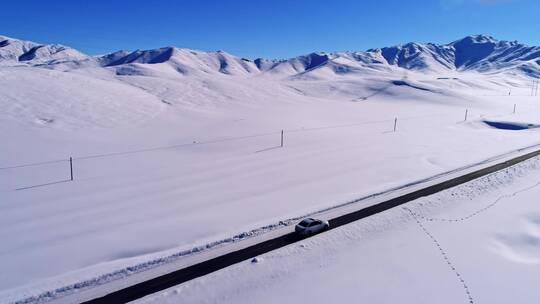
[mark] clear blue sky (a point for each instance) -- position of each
(269, 28)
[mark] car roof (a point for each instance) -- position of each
(308, 220)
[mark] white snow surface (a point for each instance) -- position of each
(475, 243)
(176, 150)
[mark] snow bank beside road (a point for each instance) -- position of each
(430, 251)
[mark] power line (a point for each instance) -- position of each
(126, 152)
(34, 164)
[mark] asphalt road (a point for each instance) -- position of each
(189, 273)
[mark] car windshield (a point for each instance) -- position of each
(305, 222)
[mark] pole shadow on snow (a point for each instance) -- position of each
(268, 149)
(43, 185)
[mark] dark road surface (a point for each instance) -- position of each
(182, 275)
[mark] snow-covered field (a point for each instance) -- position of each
(174, 153)
(476, 243)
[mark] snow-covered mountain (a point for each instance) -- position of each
(33, 78)
(183, 147)
(473, 53)
(480, 53)
(185, 61)
(13, 51)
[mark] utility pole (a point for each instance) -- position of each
(71, 167)
(466, 112)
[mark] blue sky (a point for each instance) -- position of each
(271, 29)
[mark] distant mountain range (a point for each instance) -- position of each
(478, 53)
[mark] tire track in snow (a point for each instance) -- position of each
(444, 256)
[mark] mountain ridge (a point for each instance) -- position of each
(480, 53)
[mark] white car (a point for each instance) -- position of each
(311, 226)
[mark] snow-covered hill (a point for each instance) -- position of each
(474, 53)
(177, 148)
(195, 80)
(14, 51)
(480, 53)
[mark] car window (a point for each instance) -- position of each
(314, 224)
(304, 223)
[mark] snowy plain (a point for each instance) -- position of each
(476, 243)
(171, 156)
